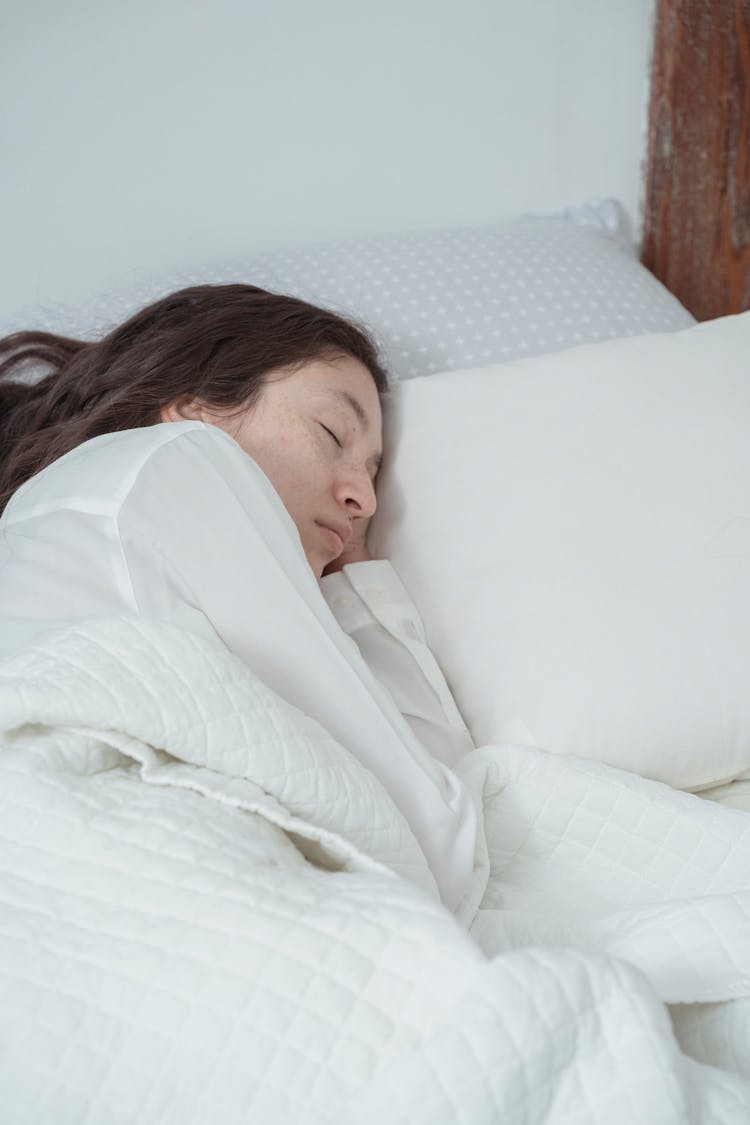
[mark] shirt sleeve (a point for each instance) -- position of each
(373, 607)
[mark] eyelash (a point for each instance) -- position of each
(332, 434)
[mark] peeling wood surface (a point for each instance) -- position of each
(696, 225)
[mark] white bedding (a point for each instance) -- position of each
(210, 913)
(734, 795)
(607, 613)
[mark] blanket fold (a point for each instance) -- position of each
(211, 911)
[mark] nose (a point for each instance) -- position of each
(356, 494)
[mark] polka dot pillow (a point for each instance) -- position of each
(446, 299)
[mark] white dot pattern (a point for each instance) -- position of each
(441, 300)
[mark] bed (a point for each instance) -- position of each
(196, 926)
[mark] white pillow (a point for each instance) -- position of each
(575, 530)
(441, 299)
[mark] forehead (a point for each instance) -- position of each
(343, 382)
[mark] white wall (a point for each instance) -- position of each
(162, 133)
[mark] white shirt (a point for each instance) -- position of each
(168, 522)
(371, 604)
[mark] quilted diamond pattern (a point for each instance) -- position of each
(210, 912)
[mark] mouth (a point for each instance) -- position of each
(336, 536)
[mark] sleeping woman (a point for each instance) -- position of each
(212, 463)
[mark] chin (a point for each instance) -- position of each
(317, 566)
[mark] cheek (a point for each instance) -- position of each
(293, 464)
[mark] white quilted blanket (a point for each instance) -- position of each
(210, 912)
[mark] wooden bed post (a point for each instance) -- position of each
(696, 219)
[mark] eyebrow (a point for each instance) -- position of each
(357, 408)
(355, 404)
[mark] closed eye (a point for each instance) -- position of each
(332, 434)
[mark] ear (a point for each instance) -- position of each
(185, 410)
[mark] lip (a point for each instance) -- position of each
(336, 535)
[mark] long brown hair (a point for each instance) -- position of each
(216, 343)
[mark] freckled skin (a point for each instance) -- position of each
(287, 433)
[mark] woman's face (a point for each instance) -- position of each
(317, 435)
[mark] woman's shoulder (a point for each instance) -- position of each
(100, 474)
